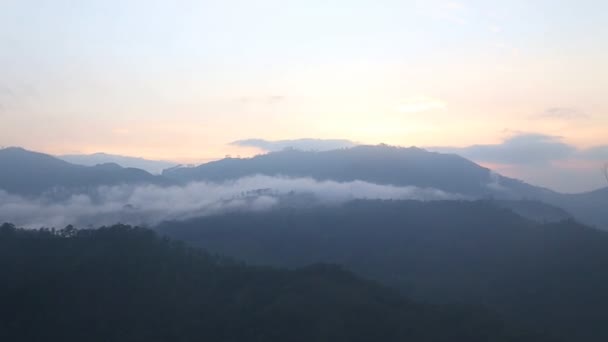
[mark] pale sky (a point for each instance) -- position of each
(180, 80)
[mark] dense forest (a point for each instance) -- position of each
(126, 284)
(549, 276)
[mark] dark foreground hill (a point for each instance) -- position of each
(125, 284)
(548, 276)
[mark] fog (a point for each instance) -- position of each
(150, 204)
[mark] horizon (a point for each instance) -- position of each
(183, 80)
(602, 174)
(305, 171)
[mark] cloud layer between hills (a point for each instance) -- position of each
(151, 204)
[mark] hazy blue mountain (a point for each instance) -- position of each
(30, 173)
(376, 164)
(589, 207)
(549, 276)
(399, 166)
(152, 166)
(25, 172)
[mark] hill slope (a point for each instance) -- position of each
(125, 284)
(30, 173)
(399, 166)
(151, 166)
(550, 276)
(374, 164)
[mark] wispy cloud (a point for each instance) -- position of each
(541, 160)
(528, 148)
(563, 113)
(299, 144)
(150, 205)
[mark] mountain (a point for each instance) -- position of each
(534, 210)
(589, 207)
(547, 276)
(30, 173)
(375, 164)
(401, 167)
(152, 166)
(125, 284)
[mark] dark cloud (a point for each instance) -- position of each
(300, 144)
(519, 149)
(564, 113)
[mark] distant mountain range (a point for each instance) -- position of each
(503, 244)
(30, 173)
(401, 167)
(374, 164)
(155, 167)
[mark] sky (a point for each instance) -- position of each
(181, 80)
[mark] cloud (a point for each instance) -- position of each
(542, 160)
(594, 153)
(495, 183)
(563, 113)
(420, 104)
(519, 149)
(150, 204)
(299, 144)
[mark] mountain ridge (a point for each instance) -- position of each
(152, 166)
(549, 275)
(31, 173)
(399, 166)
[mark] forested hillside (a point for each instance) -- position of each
(125, 284)
(551, 276)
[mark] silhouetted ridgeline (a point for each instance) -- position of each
(401, 167)
(31, 174)
(549, 276)
(125, 284)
